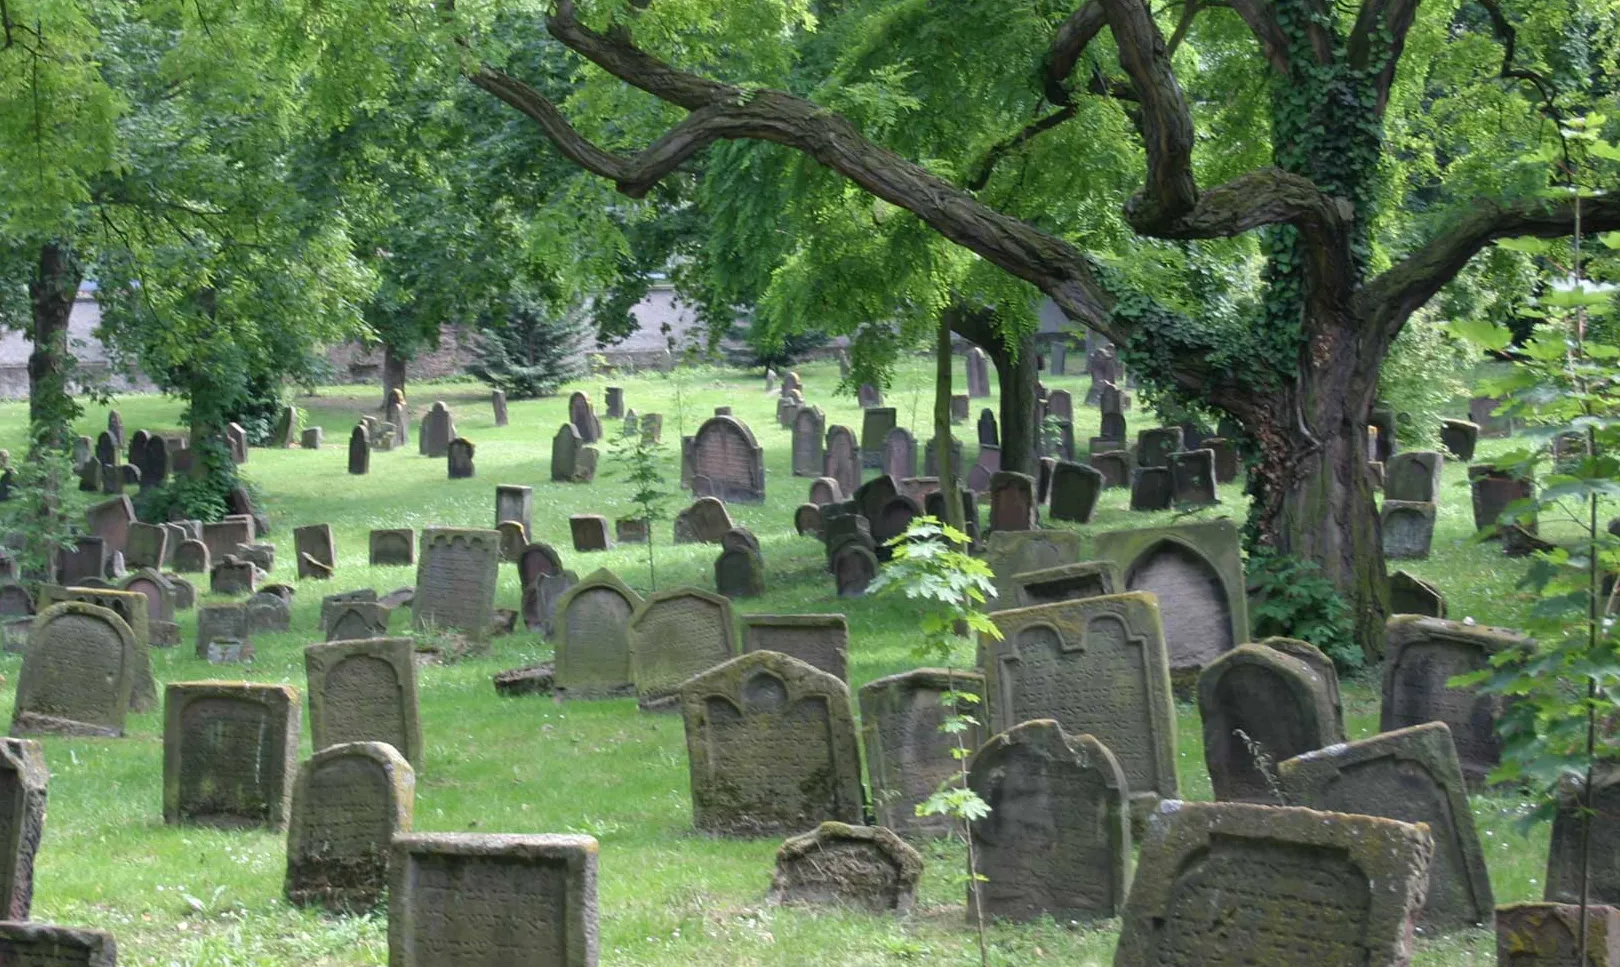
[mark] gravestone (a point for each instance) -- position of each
(359, 451)
(24, 781)
(675, 635)
(1411, 775)
(285, 433)
(1260, 706)
(704, 522)
(25, 944)
(267, 613)
(497, 402)
(540, 598)
(356, 620)
(907, 756)
(961, 406)
(230, 753)
(1234, 883)
(899, 454)
(1073, 492)
(459, 459)
(110, 520)
(1196, 573)
(311, 438)
(892, 521)
(1112, 427)
(1116, 467)
(807, 520)
(364, 691)
(1013, 506)
(1058, 364)
(1459, 438)
(1494, 490)
(825, 490)
(192, 557)
(875, 426)
(537, 560)
(724, 450)
(154, 463)
(1481, 412)
(1413, 475)
(652, 428)
(843, 866)
(226, 536)
(1381, 434)
(1153, 447)
(115, 429)
(438, 429)
(236, 442)
(15, 601)
(233, 576)
(1061, 405)
(583, 417)
(317, 556)
(455, 580)
(1192, 479)
(398, 416)
(513, 539)
(1564, 852)
(1015, 552)
(868, 396)
(628, 530)
(1057, 840)
(471, 900)
(1151, 488)
(1407, 527)
(615, 402)
(1226, 458)
(818, 640)
(85, 560)
(79, 673)
(590, 532)
(1412, 595)
(592, 637)
(1098, 666)
(987, 429)
(978, 476)
(221, 622)
(792, 384)
(787, 407)
(146, 545)
(739, 572)
(931, 466)
(1066, 582)
(565, 447)
(854, 568)
(1547, 935)
(348, 803)
(1421, 656)
(978, 373)
(809, 425)
(771, 745)
(392, 547)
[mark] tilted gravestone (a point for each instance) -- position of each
(24, 781)
(348, 803)
(819, 640)
(540, 598)
(537, 560)
(1411, 775)
(455, 580)
(497, 403)
(908, 757)
(1459, 438)
(842, 459)
(1013, 506)
(1414, 475)
(1413, 595)
(1192, 479)
(459, 458)
(1152, 488)
(1074, 491)
(1066, 582)
(230, 753)
(565, 449)
(807, 520)
(592, 637)
(1057, 840)
(843, 866)
(364, 691)
(393, 547)
(675, 635)
(1015, 552)
(1407, 528)
(1292, 886)
(25, 944)
(1097, 666)
(591, 532)
(359, 451)
(438, 429)
(725, 452)
(704, 522)
(472, 900)
(146, 546)
(110, 520)
(1154, 446)
(582, 415)
(513, 539)
(1494, 491)
(875, 426)
(1196, 571)
(232, 576)
(1421, 657)
(1564, 851)
(1116, 466)
(514, 502)
(1547, 935)
(899, 454)
(285, 433)
(809, 426)
(317, 556)
(772, 747)
(1260, 706)
(825, 490)
(356, 620)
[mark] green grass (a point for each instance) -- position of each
(668, 897)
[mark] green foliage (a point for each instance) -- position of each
(1290, 597)
(185, 497)
(640, 456)
(529, 348)
(41, 510)
(1423, 376)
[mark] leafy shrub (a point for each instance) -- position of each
(1291, 598)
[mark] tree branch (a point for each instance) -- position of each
(1387, 301)
(1394, 15)
(1509, 39)
(1070, 42)
(1166, 122)
(1001, 148)
(1263, 24)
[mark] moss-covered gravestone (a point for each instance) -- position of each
(1016, 552)
(455, 580)
(23, 785)
(772, 749)
(230, 751)
(1547, 935)
(839, 865)
(907, 756)
(44, 945)
(1411, 775)
(821, 640)
(364, 691)
(1066, 582)
(1230, 884)
(1057, 840)
(468, 900)
(78, 673)
(347, 805)
(132, 608)
(1260, 706)
(357, 619)
(1564, 851)
(1098, 667)
(592, 637)
(675, 635)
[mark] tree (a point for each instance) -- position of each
(1299, 164)
(528, 349)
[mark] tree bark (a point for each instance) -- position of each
(54, 286)
(948, 470)
(1017, 377)
(393, 373)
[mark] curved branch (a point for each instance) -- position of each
(1166, 121)
(1070, 42)
(1509, 39)
(1000, 149)
(1263, 24)
(1396, 16)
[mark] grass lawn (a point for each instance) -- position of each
(668, 897)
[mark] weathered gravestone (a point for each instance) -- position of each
(868, 396)
(221, 622)
(1494, 490)
(978, 373)
(359, 451)
(15, 601)
(961, 406)
(565, 448)
(23, 785)
(1459, 438)
(899, 454)
(809, 426)
(513, 539)
(192, 557)
(582, 415)
(978, 476)
(908, 757)
(311, 438)
(854, 568)
(1412, 595)
(819, 640)
(364, 691)
(706, 521)
(592, 637)
(225, 536)
(537, 560)
(146, 546)
(807, 520)
(513, 502)
(1407, 528)
(1154, 446)
(356, 620)
(392, 547)
(1482, 412)
(1411, 775)
(1196, 572)
(24, 944)
(987, 429)
(1564, 851)
(1073, 492)
(1192, 479)
(1547, 935)
(739, 572)
(1414, 475)
(268, 612)
(1066, 582)
(110, 520)
(459, 458)
(285, 433)
(470, 900)
(1057, 840)
(455, 580)
(348, 803)
(1097, 666)
(875, 426)
(132, 609)
(1260, 706)
(438, 429)
(1151, 488)
(1116, 466)
(844, 866)
(842, 459)
(85, 560)
(1015, 552)
(787, 407)
(1013, 506)
(230, 753)
(232, 576)
(772, 747)
(1421, 657)
(317, 556)
(825, 490)
(590, 532)
(1229, 884)
(675, 635)
(497, 402)
(725, 452)
(540, 598)
(615, 402)
(1061, 405)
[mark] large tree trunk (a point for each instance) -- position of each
(393, 373)
(52, 289)
(1017, 377)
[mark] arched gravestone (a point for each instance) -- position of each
(15, 601)
(1057, 840)
(871, 497)
(1097, 666)
(809, 426)
(724, 450)
(28, 944)
(1223, 884)
(348, 803)
(1421, 657)
(364, 691)
(675, 635)
(899, 454)
(772, 749)
(897, 514)
(357, 621)
(393, 547)
(1256, 702)
(23, 784)
(842, 866)
(1414, 475)
(907, 756)
(583, 417)
(455, 580)
(77, 675)
(1564, 851)
(592, 638)
(807, 520)
(1013, 506)
(706, 521)
(825, 490)
(1196, 570)
(159, 592)
(1322, 665)
(565, 447)
(842, 461)
(1016, 552)
(1407, 529)
(230, 752)
(854, 567)
(1410, 775)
